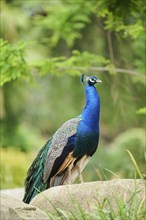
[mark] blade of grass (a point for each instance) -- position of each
(134, 194)
(48, 201)
(135, 164)
(78, 208)
(112, 173)
(63, 214)
(141, 207)
(101, 169)
(111, 210)
(96, 171)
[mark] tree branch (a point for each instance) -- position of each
(110, 46)
(103, 69)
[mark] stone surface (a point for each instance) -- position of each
(17, 193)
(75, 198)
(13, 209)
(90, 195)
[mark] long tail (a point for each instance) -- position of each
(34, 180)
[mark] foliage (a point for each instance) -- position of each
(25, 138)
(123, 16)
(12, 21)
(132, 140)
(14, 165)
(67, 38)
(67, 21)
(105, 211)
(74, 65)
(142, 111)
(107, 163)
(12, 58)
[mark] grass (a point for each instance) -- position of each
(14, 165)
(135, 164)
(105, 211)
(131, 209)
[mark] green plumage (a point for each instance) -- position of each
(34, 180)
(38, 176)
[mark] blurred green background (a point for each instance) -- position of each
(45, 46)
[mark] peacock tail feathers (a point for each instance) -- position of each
(34, 180)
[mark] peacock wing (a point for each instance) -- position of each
(62, 140)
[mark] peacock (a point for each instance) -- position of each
(63, 158)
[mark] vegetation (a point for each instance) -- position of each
(105, 211)
(45, 46)
(107, 163)
(14, 166)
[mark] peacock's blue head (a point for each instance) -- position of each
(91, 80)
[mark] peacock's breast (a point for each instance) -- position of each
(87, 140)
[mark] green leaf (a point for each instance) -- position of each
(12, 62)
(142, 111)
(135, 164)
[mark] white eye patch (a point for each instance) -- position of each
(91, 80)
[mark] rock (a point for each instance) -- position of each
(17, 193)
(13, 209)
(87, 197)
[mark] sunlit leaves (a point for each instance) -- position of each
(135, 30)
(142, 111)
(62, 23)
(14, 66)
(12, 62)
(74, 65)
(123, 16)
(65, 21)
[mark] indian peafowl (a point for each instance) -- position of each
(64, 156)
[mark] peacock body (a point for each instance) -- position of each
(62, 159)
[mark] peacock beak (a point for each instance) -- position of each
(98, 81)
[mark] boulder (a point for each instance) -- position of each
(90, 196)
(17, 193)
(13, 209)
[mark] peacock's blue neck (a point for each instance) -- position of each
(91, 112)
